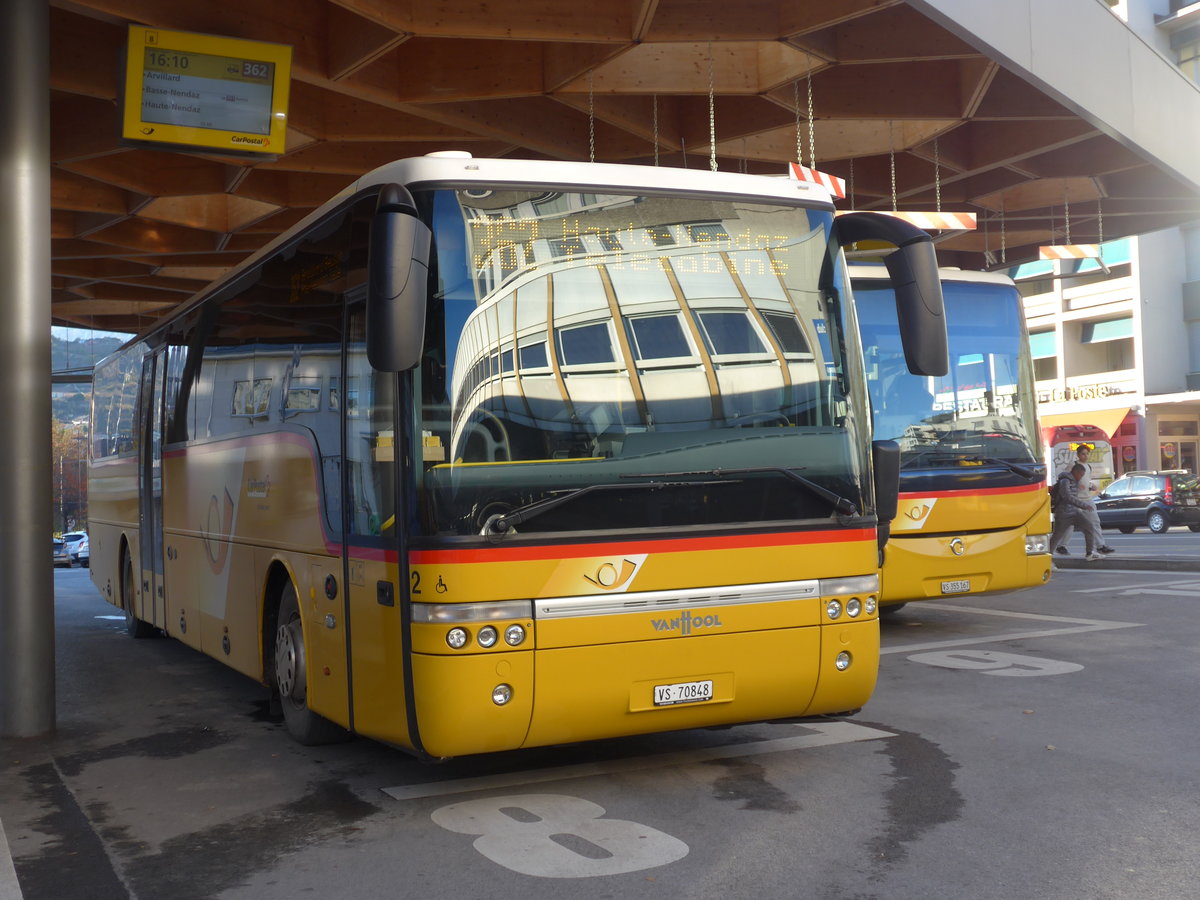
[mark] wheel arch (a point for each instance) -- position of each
(278, 578)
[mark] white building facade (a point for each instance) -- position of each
(1116, 342)
(1116, 346)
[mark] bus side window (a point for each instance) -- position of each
(370, 435)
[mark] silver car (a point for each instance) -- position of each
(78, 547)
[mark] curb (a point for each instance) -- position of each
(1158, 564)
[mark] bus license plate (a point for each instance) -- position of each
(683, 692)
(956, 587)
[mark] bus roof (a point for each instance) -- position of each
(862, 271)
(457, 168)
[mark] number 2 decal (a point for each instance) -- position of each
(416, 583)
(556, 836)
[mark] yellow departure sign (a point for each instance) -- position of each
(206, 91)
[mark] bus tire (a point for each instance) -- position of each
(291, 678)
(134, 627)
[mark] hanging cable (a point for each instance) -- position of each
(1067, 214)
(1003, 236)
(656, 130)
(852, 204)
(937, 175)
(712, 114)
(892, 163)
(799, 133)
(1100, 220)
(812, 132)
(591, 122)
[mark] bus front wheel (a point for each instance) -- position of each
(291, 678)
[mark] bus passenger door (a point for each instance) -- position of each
(153, 604)
(370, 541)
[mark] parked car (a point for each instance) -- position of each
(62, 556)
(1157, 499)
(77, 546)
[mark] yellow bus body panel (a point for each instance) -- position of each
(587, 676)
(227, 525)
(989, 528)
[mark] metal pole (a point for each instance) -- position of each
(27, 605)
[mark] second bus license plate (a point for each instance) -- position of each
(682, 692)
(956, 587)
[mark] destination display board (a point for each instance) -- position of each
(206, 91)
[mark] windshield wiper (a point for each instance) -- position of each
(839, 503)
(1023, 471)
(501, 524)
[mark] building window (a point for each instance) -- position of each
(1105, 345)
(1044, 349)
(1189, 59)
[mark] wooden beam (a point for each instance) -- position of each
(354, 41)
(82, 127)
(334, 116)
(78, 192)
(156, 237)
(518, 20)
(153, 172)
(897, 34)
(209, 212)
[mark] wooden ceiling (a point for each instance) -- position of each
(896, 99)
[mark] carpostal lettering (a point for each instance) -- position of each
(686, 623)
(241, 139)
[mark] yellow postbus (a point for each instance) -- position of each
(974, 514)
(487, 454)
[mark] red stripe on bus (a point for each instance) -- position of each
(677, 545)
(975, 492)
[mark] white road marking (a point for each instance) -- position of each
(1074, 626)
(1187, 588)
(10, 888)
(991, 662)
(529, 833)
(827, 733)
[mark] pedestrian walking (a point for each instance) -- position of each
(1086, 520)
(1069, 511)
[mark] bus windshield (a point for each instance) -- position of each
(983, 409)
(603, 361)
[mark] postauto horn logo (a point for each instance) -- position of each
(686, 623)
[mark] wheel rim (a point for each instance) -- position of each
(1156, 521)
(289, 661)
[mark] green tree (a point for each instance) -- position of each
(68, 449)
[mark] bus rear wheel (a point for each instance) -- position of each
(291, 678)
(134, 626)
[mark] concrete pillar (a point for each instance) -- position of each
(27, 599)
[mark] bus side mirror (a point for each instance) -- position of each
(914, 274)
(885, 455)
(397, 282)
(885, 459)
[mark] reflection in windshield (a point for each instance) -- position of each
(582, 339)
(982, 411)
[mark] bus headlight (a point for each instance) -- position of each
(842, 661)
(514, 635)
(457, 638)
(501, 694)
(487, 636)
(872, 605)
(853, 607)
(833, 608)
(1036, 544)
